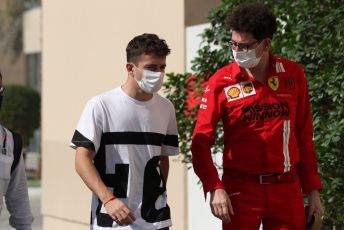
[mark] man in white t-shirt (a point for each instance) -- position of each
(123, 140)
(13, 186)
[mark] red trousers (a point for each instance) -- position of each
(277, 205)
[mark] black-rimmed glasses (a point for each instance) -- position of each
(242, 46)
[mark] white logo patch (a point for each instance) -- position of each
(203, 106)
(207, 89)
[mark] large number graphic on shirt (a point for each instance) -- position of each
(154, 200)
(119, 183)
(154, 206)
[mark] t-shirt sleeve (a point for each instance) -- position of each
(90, 127)
(170, 143)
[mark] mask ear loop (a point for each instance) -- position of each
(267, 46)
(260, 43)
(136, 67)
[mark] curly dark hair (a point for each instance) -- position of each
(146, 44)
(253, 18)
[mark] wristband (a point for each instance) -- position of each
(112, 198)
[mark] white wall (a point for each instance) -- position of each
(199, 213)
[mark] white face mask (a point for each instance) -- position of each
(150, 81)
(247, 59)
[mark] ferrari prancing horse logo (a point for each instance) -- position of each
(273, 83)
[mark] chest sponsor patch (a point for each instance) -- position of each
(239, 90)
(265, 111)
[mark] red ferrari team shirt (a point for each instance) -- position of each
(267, 126)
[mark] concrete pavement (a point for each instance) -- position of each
(35, 202)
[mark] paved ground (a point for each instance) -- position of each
(35, 201)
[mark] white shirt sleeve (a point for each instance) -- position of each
(17, 199)
(89, 130)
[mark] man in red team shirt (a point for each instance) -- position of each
(269, 158)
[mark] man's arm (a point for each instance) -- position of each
(17, 199)
(202, 139)
(164, 166)
(203, 136)
(84, 166)
(308, 166)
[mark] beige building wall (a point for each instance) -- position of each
(197, 11)
(13, 69)
(83, 54)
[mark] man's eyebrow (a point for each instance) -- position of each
(240, 43)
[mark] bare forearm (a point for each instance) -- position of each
(89, 174)
(164, 166)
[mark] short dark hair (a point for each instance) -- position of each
(253, 18)
(146, 44)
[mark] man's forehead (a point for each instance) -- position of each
(241, 36)
(152, 59)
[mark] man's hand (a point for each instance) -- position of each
(120, 212)
(220, 204)
(315, 205)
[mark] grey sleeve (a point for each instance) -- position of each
(17, 199)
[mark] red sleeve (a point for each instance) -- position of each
(308, 165)
(203, 136)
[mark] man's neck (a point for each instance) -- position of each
(260, 71)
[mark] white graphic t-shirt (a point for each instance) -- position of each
(129, 136)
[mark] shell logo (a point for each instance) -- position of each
(248, 88)
(233, 92)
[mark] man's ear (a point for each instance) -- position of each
(130, 69)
